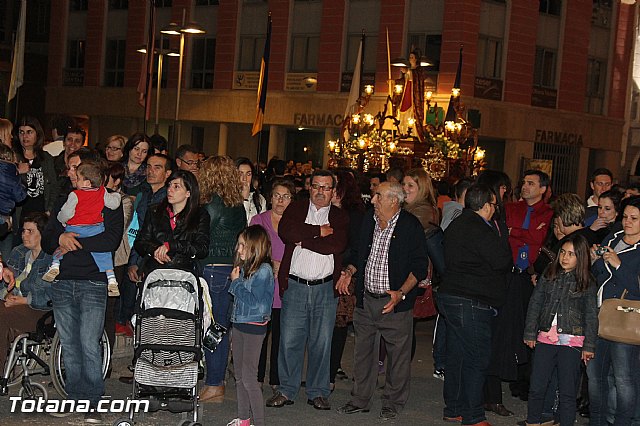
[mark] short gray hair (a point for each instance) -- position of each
(396, 191)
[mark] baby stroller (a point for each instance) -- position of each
(167, 343)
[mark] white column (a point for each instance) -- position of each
(222, 139)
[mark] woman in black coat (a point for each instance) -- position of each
(176, 233)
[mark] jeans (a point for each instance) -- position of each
(217, 278)
(621, 359)
(307, 317)
(563, 361)
(128, 290)
(104, 260)
(468, 356)
(79, 311)
(439, 343)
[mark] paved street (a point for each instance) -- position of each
(424, 406)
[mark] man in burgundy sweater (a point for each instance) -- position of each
(315, 235)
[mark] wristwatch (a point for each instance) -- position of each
(404, 296)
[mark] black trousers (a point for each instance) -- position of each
(273, 330)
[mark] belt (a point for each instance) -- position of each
(377, 295)
(311, 282)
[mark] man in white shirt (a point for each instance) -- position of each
(315, 235)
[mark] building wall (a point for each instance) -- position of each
(510, 118)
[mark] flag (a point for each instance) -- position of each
(146, 68)
(262, 85)
(354, 93)
(451, 112)
(17, 68)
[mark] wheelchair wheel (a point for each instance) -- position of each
(15, 377)
(56, 362)
(33, 391)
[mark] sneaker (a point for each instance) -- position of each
(438, 374)
(51, 274)
(112, 287)
(237, 422)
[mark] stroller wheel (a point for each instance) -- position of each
(124, 421)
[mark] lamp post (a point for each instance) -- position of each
(161, 52)
(175, 29)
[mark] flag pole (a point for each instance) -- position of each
(389, 65)
(149, 58)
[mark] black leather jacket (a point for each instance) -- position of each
(577, 312)
(185, 245)
(225, 225)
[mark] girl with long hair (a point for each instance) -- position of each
(176, 233)
(252, 288)
(562, 326)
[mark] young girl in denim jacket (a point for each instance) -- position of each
(252, 287)
(562, 325)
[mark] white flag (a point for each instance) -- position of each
(354, 93)
(17, 69)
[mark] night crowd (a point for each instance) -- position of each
(294, 256)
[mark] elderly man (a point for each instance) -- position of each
(315, 235)
(392, 257)
(477, 262)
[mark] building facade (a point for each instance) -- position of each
(546, 79)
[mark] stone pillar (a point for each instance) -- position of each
(222, 139)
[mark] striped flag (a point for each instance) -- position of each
(17, 69)
(262, 85)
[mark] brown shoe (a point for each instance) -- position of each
(278, 400)
(212, 394)
(319, 403)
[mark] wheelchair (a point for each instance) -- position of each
(40, 353)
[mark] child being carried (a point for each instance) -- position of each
(82, 214)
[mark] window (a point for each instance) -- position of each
(596, 74)
(430, 45)
(304, 53)
(207, 2)
(369, 53)
(203, 59)
(489, 63)
(544, 74)
(76, 5)
(551, 7)
(164, 3)
(75, 54)
(118, 4)
(251, 50)
(114, 63)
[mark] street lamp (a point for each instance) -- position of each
(175, 29)
(161, 52)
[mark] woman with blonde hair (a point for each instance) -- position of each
(421, 198)
(221, 196)
(114, 147)
(6, 131)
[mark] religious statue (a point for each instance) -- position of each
(412, 101)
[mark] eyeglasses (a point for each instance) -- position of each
(495, 205)
(322, 188)
(113, 148)
(191, 162)
(282, 196)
